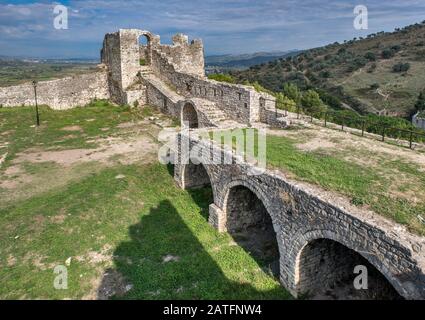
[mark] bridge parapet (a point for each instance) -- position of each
(320, 236)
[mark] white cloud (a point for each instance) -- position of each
(225, 26)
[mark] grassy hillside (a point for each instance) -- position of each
(384, 72)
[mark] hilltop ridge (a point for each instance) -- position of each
(382, 73)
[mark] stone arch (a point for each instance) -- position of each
(145, 49)
(196, 176)
(323, 257)
(189, 116)
(252, 224)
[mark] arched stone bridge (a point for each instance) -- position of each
(319, 242)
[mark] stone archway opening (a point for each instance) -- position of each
(189, 116)
(326, 271)
(197, 180)
(250, 225)
(145, 50)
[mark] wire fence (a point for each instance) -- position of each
(360, 123)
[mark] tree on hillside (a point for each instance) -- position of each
(420, 103)
(285, 103)
(370, 56)
(387, 54)
(312, 103)
(401, 67)
(292, 92)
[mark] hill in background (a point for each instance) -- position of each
(221, 63)
(383, 73)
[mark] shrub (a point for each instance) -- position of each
(284, 103)
(372, 68)
(401, 67)
(142, 62)
(222, 77)
(325, 74)
(387, 53)
(420, 103)
(312, 103)
(292, 92)
(370, 56)
(342, 50)
(329, 99)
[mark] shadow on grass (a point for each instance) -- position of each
(165, 260)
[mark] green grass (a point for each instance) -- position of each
(365, 186)
(129, 224)
(17, 125)
(143, 217)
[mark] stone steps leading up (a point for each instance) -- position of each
(163, 88)
(209, 110)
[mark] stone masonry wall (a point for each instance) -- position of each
(111, 57)
(59, 94)
(301, 214)
(240, 103)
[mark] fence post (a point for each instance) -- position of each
(383, 133)
(275, 109)
(326, 119)
(298, 112)
(363, 127)
(411, 140)
(342, 124)
(311, 118)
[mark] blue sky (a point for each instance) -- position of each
(226, 26)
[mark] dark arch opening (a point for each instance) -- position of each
(190, 116)
(250, 225)
(144, 49)
(198, 183)
(326, 271)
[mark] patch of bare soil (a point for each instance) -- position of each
(125, 150)
(96, 257)
(134, 149)
(72, 128)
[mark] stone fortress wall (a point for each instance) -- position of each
(59, 94)
(174, 75)
(170, 77)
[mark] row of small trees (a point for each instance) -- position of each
(318, 102)
(291, 97)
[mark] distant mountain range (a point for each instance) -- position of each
(49, 60)
(225, 62)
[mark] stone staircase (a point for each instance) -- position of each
(206, 109)
(162, 87)
(216, 117)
